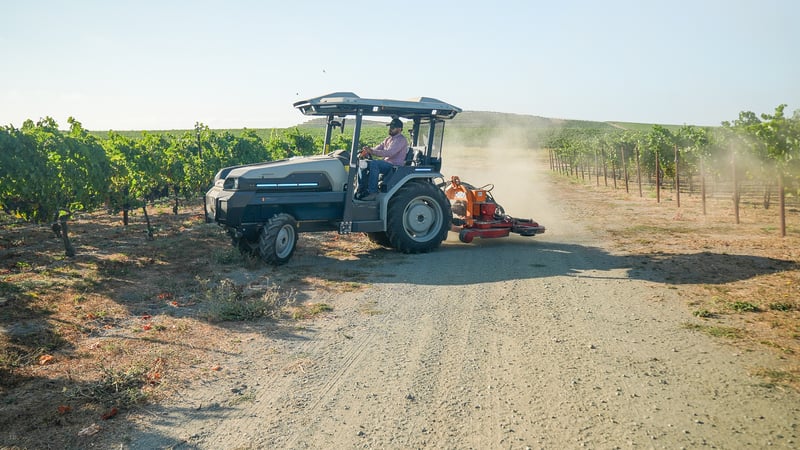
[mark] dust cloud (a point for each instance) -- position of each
(742, 153)
(517, 170)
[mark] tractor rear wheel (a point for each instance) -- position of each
(278, 239)
(418, 218)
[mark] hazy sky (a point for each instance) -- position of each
(168, 64)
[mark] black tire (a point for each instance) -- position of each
(380, 238)
(418, 218)
(278, 239)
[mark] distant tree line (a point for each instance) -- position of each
(762, 147)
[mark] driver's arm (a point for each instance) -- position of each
(395, 147)
(367, 150)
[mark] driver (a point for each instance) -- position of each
(393, 150)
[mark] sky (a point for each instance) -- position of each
(115, 65)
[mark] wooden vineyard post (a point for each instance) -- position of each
(625, 169)
(614, 172)
(658, 179)
(583, 167)
(703, 184)
(605, 171)
(596, 169)
(638, 171)
(677, 179)
(735, 188)
(782, 203)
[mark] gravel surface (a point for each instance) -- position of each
(550, 342)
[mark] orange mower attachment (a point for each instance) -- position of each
(476, 214)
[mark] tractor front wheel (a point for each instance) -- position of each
(278, 239)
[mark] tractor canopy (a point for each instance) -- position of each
(426, 116)
(348, 103)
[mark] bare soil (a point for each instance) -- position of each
(629, 323)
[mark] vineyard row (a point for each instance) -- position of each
(46, 173)
(751, 156)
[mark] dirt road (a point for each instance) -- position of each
(546, 342)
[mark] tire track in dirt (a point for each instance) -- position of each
(438, 390)
(329, 355)
(409, 361)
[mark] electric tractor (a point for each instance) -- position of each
(265, 206)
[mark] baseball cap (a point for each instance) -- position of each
(395, 123)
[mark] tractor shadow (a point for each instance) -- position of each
(524, 258)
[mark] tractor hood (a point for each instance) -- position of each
(305, 173)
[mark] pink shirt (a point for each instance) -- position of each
(393, 149)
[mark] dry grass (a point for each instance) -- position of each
(130, 320)
(741, 281)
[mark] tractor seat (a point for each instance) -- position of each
(414, 156)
